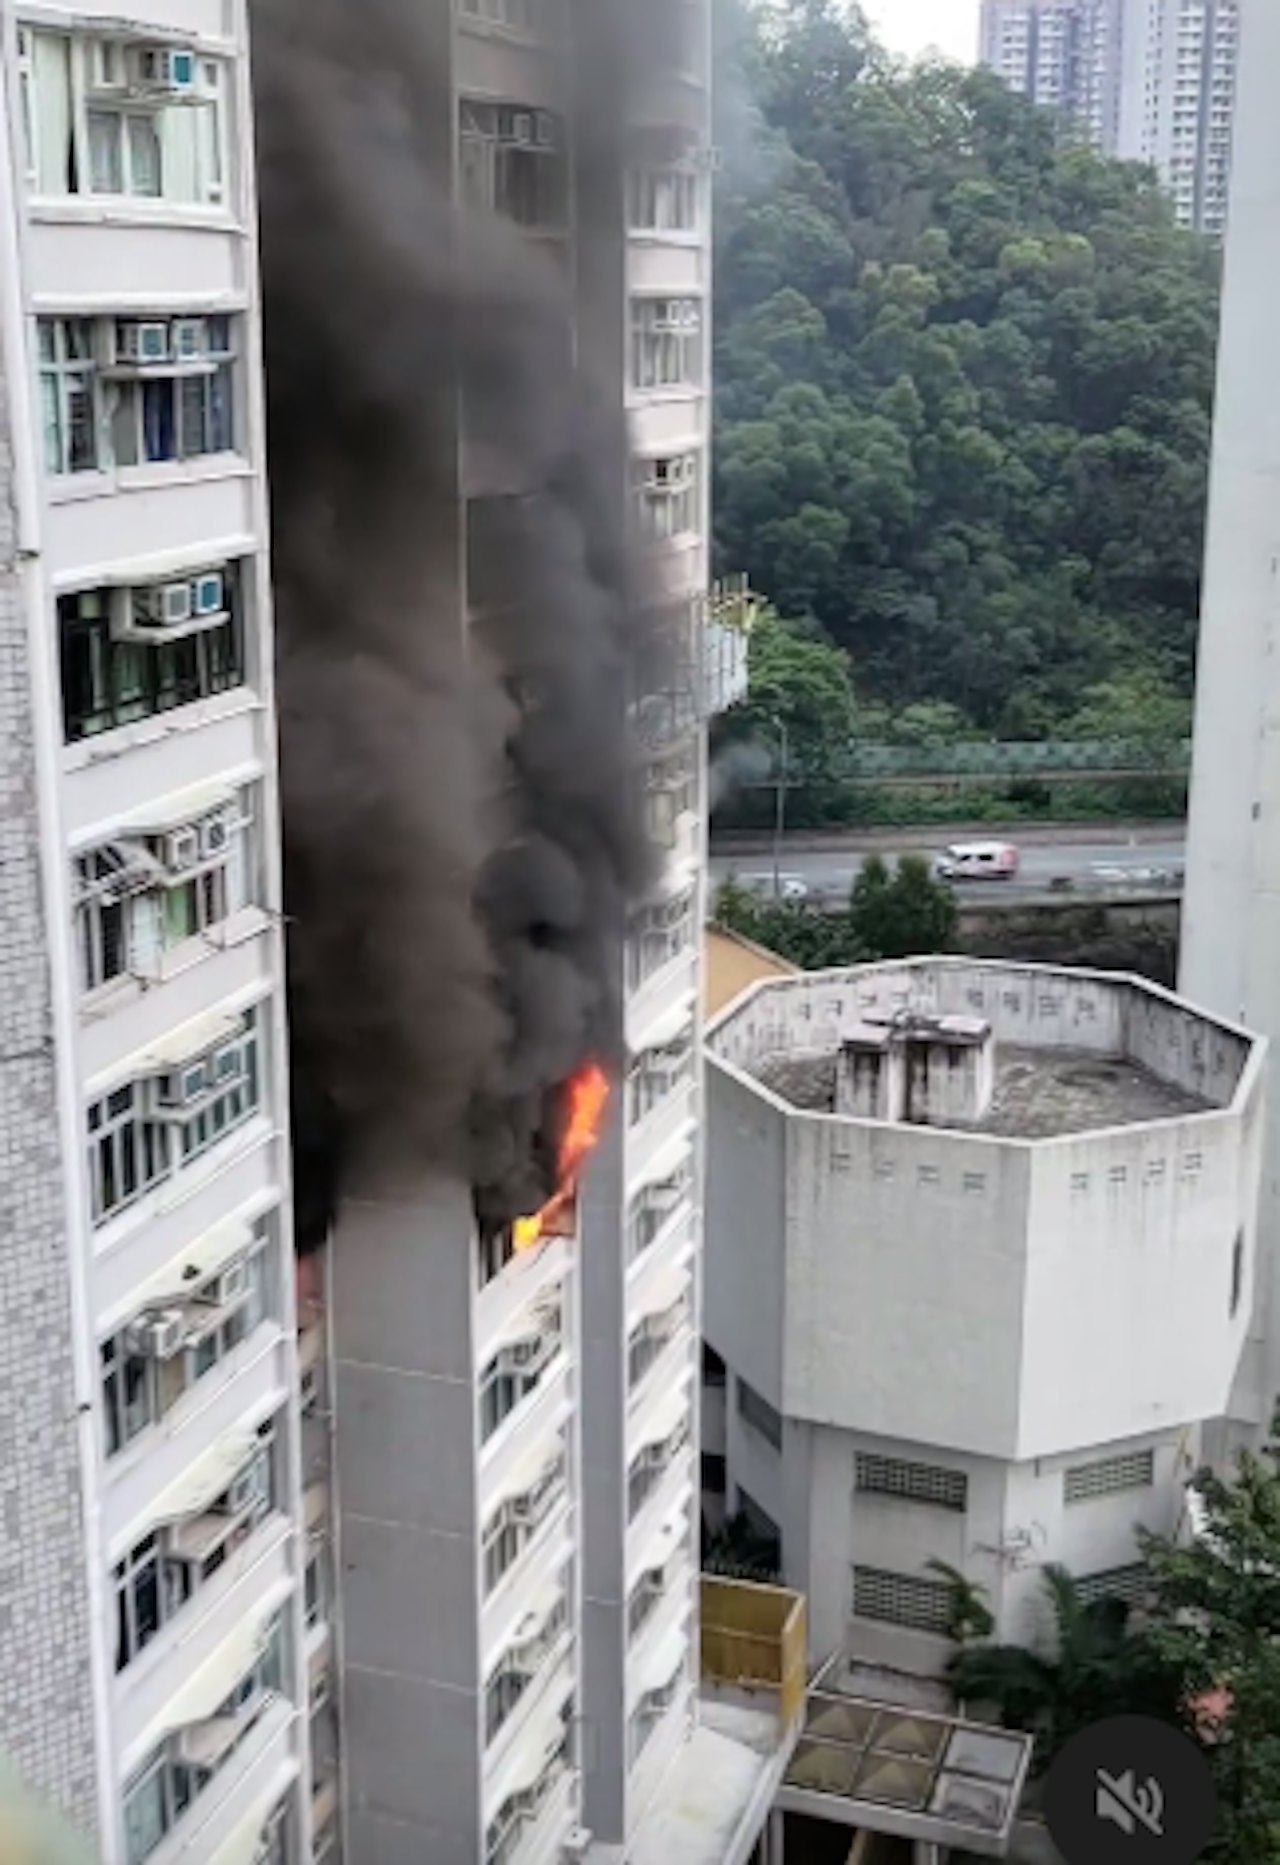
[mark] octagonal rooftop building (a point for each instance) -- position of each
(979, 1267)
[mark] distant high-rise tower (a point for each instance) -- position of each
(1148, 80)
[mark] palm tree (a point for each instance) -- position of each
(1095, 1665)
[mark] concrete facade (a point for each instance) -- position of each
(936, 1319)
(153, 1552)
(1231, 915)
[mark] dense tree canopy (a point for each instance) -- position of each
(964, 376)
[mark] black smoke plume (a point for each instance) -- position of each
(462, 821)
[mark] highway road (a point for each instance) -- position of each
(1096, 866)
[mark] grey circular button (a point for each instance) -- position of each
(1130, 1791)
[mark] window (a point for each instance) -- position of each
(514, 1372)
(516, 1520)
(131, 907)
(1109, 1475)
(100, 118)
(141, 1132)
(649, 1712)
(111, 678)
(901, 1599)
(494, 1250)
(69, 395)
(136, 1583)
(659, 935)
(758, 1413)
(1237, 1271)
(505, 1834)
(513, 162)
(663, 199)
(650, 1337)
(164, 416)
(656, 1204)
(912, 1482)
(1130, 1584)
(668, 495)
(658, 1073)
(128, 1151)
(714, 1371)
(650, 1465)
(666, 343)
(515, 15)
(314, 1588)
(715, 1476)
(129, 1392)
(503, 1691)
(153, 1802)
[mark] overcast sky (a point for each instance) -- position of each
(912, 26)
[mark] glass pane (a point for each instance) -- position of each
(106, 171)
(179, 913)
(82, 436)
(192, 395)
(157, 420)
(51, 416)
(144, 157)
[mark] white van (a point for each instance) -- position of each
(977, 861)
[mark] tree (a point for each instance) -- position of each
(805, 935)
(901, 913)
(803, 682)
(1215, 1619)
(964, 380)
(1092, 1666)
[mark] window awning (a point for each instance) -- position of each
(661, 1032)
(203, 1481)
(662, 1544)
(526, 1473)
(667, 1161)
(537, 1612)
(662, 1422)
(209, 1687)
(189, 1041)
(240, 1847)
(532, 1750)
(532, 1319)
(180, 807)
(665, 1659)
(199, 1261)
(664, 1290)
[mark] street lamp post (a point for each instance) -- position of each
(780, 813)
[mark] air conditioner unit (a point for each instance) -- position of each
(106, 66)
(545, 128)
(210, 593)
(215, 836)
(167, 605)
(242, 1494)
(181, 849)
(158, 1336)
(189, 341)
(231, 1286)
(143, 341)
(522, 128)
(164, 68)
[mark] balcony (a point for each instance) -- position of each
(717, 1794)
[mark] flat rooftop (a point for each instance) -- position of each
(711, 1805)
(1039, 1094)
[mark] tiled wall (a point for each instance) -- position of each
(46, 1723)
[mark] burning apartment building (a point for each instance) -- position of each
(358, 1480)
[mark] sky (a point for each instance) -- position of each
(912, 26)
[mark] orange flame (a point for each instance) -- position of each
(588, 1093)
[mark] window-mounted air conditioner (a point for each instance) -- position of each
(166, 605)
(189, 339)
(145, 340)
(180, 849)
(242, 1494)
(209, 593)
(229, 1287)
(215, 836)
(158, 1336)
(164, 69)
